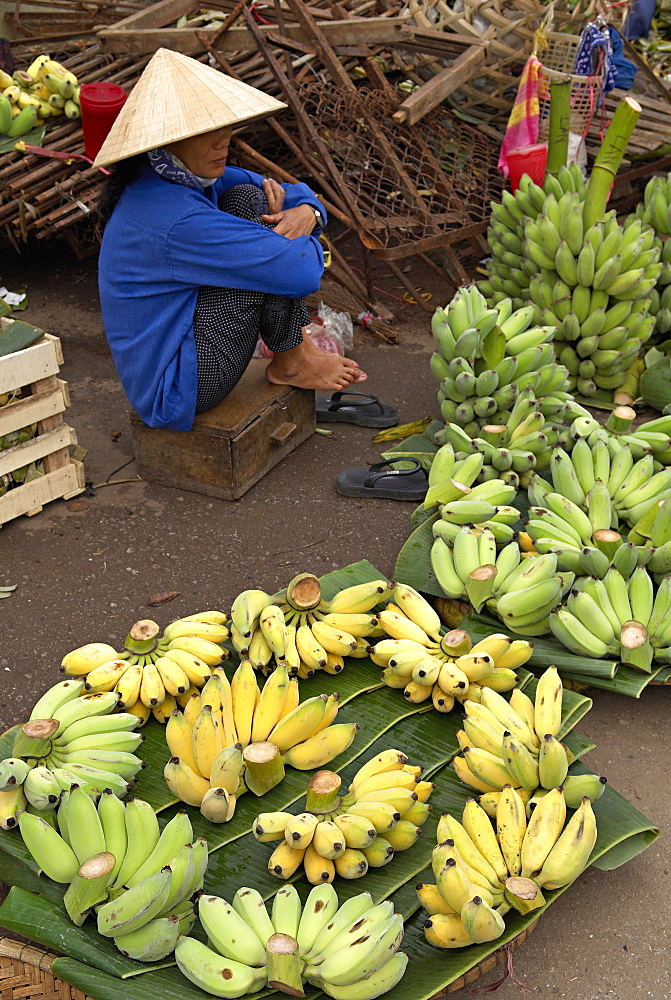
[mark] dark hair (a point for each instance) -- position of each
(122, 173)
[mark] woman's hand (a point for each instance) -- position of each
(290, 222)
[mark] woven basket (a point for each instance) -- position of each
(510, 28)
(25, 971)
(25, 974)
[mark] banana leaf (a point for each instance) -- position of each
(413, 563)
(416, 446)
(626, 681)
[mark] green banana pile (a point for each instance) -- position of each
(521, 589)
(348, 951)
(382, 813)
(510, 270)
(425, 663)
(138, 879)
(592, 284)
(233, 737)
(485, 357)
(511, 450)
(512, 757)
(301, 630)
(655, 211)
(70, 739)
(154, 674)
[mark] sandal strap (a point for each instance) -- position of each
(377, 473)
(367, 399)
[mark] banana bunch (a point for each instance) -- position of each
(300, 630)
(424, 663)
(655, 211)
(154, 674)
(598, 494)
(483, 869)
(46, 89)
(594, 286)
(233, 737)
(382, 813)
(522, 442)
(71, 739)
(451, 486)
(521, 588)
(486, 357)
(349, 952)
(620, 616)
(117, 862)
(509, 269)
(514, 743)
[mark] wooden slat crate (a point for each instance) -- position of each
(36, 368)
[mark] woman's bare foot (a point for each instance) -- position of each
(308, 368)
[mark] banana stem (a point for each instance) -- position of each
(560, 118)
(89, 887)
(284, 965)
(480, 584)
(142, 637)
(265, 768)
(523, 894)
(620, 420)
(494, 433)
(304, 592)
(322, 795)
(456, 643)
(628, 391)
(608, 160)
(607, 541)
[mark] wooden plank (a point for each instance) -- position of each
(30, 410)
(158, 14)
(354, 31)
(38, 361)
(65, 482)
(37, 448)
(444, 83)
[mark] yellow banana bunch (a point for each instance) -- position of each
(153, 672)
(46, 86)
(303, 632)
(500, 858)
(233, 737)
(424, 663)
(346, 835)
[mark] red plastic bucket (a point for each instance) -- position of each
(100, 104)
(527, 160)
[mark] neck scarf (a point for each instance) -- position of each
(171, 168)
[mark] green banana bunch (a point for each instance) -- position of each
(655, 211)
(114, 859)
(302, 631)
(485, 357)
(71, 739)
(350, 952)
(346, 834)
(513, 263)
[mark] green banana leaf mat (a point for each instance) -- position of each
(92, 964)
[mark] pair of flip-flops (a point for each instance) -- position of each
(366, 410)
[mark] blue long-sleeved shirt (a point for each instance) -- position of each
(163, 243)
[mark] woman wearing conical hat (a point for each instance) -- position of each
(198, 258)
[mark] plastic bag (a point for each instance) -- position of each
(332, 332)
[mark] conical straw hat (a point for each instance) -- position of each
(177, 97)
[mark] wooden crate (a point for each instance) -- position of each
(232, 445)
(37, 368)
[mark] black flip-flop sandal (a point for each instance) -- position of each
(367, 411)
(394, 484)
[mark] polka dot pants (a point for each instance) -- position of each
(228, 321)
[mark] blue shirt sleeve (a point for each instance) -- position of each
(296, 194)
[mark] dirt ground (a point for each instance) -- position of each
(86, 572)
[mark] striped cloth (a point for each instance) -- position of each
(524, 122)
